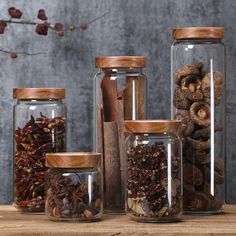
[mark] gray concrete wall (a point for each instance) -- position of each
(141, 27)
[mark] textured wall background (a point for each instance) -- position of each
(139, 27)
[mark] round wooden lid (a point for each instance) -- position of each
(39, 93)
(152, 126)
(121, 62)
(73, 160)
(198, 33)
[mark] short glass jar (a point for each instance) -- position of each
(39, 128)
(154, 180)
(73, 186)
(198, 100)
(119, 94)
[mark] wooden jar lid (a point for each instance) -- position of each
(198, 33)
(73, 160)
(39, 93)
(121, 62)
(152, 126)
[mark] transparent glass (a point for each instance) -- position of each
(198, 99)
(73, 194)
(39, 128)
(154, 179)
(119, 94)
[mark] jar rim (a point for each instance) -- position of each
(152, 126)
(121, 62)
(73, 160)
(198, 33)
(39, 93)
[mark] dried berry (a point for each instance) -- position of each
(42, 29)
(42, 15)
(61, 33)
(3, 25)
(147, 182)
(83, 26)
(13, 55)
(58, 26)
(31, 145)
(15, 13)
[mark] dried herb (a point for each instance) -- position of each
(147, 182)
(71, 196)
(39, 136)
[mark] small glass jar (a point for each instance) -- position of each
(39, 128)
(119, 94)
(153, 183)
(198, 100)
(73, 186)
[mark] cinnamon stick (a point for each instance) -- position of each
(112, 167)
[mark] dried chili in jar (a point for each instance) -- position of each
(39, 128)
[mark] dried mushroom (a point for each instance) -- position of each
(192, 175)
(218, 177)
(204, 133)
(197, 201)
(187, 125)
(180, 101)
(194, 69)
(218, 84)
(219, 165)
(198, 156)
(191, 87)
(199, 144)
(200, 113)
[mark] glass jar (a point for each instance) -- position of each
(198, 100)
(39, 128)
(73, 186)
(154, 181)
(119, 94)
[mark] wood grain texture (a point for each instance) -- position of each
(73, 160)
(39, 93)
(198, 33)
(152, 126)
(14, 223)
(121, 62)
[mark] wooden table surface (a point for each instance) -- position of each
(17, 224)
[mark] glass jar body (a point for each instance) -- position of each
(198, 100)
(119, 94)
(78, 197)
(153, 182)
(39, 128)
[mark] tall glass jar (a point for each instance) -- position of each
(73, 186)
(119, 94)
(39, 128)
(198, 100)
(154, 177)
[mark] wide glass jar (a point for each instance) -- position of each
(119, 94)
(73, 186)
(198, 100)
(154, 179)
(39, 128)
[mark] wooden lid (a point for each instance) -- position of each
(39, 93)
(152, 126)
(121, 62)
(198, 33)
(73, 160)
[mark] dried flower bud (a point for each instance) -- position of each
(83, 26)
(72, 27)
(42, 15)
(42, 29)
(60, 34)
(58, 26)
(15, 13)
(2, 26)
(13, 55)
